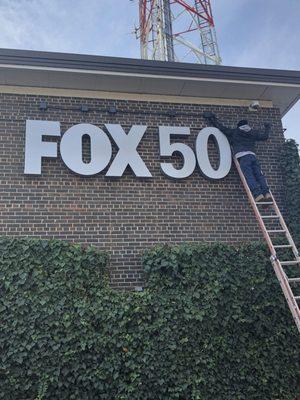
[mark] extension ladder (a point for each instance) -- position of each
(278, 265)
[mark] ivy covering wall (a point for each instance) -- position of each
(290, 161)
(212, 325)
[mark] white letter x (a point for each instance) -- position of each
(127, 154)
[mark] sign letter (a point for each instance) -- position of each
(127, 154)
(71, 149)
(35, 147)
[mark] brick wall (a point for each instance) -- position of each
(126, 215)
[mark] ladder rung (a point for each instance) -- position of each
(289, 262)
(276, 231)
(269, 216)
(282, 246)
(297, 297)
(294, 280)
(263, 202)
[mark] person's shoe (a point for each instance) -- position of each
(268, 196)
(259, 198)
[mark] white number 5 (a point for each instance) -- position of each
(167, 149)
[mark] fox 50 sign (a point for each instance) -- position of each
(37, 147)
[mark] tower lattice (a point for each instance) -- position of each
(178, 30)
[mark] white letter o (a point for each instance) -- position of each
(71, 149)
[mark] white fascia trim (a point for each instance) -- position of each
(291, 105)
(113, 73)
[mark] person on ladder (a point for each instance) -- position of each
(242, 140)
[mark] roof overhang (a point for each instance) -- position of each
(25, 68)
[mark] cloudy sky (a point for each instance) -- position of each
(253, 33)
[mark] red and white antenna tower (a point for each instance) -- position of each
(178, 30)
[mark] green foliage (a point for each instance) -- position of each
(290, 161)
(212, 325)
(47, 292)
(240, 341)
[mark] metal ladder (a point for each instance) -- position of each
(278, 265)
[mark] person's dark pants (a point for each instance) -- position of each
(253, 174)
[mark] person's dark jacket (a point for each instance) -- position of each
(240, 140)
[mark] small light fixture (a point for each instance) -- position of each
(254, 106)
(172, 114)
(112, 110)
(43, 105)
(84, 108)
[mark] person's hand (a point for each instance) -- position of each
(208, 115)
(267, 125)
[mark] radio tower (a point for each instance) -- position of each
(178, 30)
